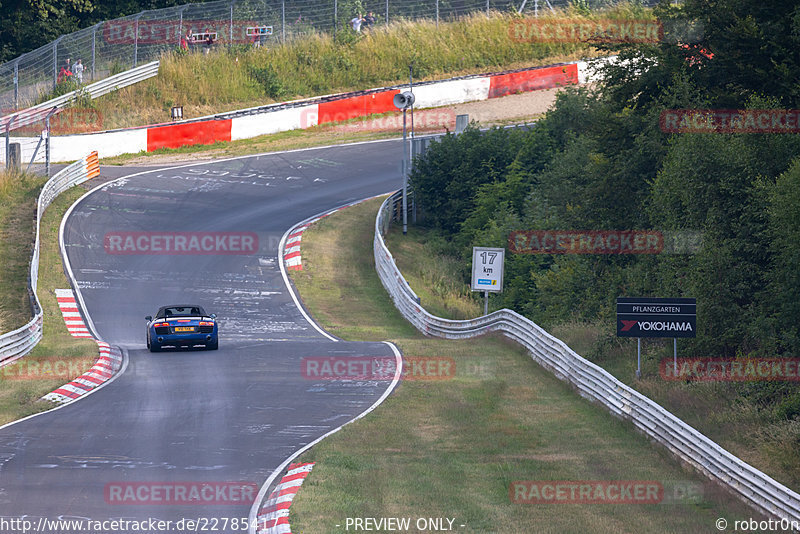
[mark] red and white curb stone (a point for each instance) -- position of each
(273, 517)
(72, 316)
(291, 249)
(108, 363)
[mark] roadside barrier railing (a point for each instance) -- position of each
(25, 117)
(21, 341)
(594, 383)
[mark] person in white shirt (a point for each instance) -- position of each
(77, 70)
(356, 23)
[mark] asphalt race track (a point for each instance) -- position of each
(231, 415)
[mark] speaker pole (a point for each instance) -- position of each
(405, 177)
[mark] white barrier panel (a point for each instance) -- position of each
(273, 122)
(592, 382)
(452, 92)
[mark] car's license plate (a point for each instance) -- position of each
(184, 329)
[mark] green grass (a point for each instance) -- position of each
(232, 79)
(20, 397)
(452, 448)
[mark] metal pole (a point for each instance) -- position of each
(283, 21)
(8, 158)
(47, 146)
(411, 89)
(405, 177)
(487, 7)
(486, 303)
(675, 355)
(387, 12)
(180, 27)
(638, 357)
(136, 39)
(437, 14)
(335, 16)
(230, 42)
(16, 85)
(536, 8)
(55, 63)
(94, 46)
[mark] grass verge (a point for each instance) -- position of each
(25, 381)
(452, 448)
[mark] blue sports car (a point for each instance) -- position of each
(182, 326)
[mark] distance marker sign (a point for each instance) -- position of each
(656, 317)
(487, 269)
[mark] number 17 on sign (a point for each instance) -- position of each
(487, 272)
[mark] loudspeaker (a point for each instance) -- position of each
(403, 100)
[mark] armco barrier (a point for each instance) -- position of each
(746, 482)
(38, 112)
(18, 343)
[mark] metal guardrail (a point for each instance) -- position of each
(19, 342)
(39, 112)
(594, 383)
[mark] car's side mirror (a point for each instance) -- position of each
(148, 318)
(213, 315)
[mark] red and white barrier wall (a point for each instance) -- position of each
(310, 112)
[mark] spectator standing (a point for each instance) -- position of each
(369, 21)
(186, 40)
(78, 71)
(209, 42)
(65, 73)
(356, 23)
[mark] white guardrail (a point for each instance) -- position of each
(39, 112)
(748, 483)
(18, 343)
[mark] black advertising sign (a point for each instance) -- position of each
(656, 317)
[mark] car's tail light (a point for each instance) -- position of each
(206, 323)
(156, 325)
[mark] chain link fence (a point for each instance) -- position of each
(117, 45)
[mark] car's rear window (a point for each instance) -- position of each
(181, 311)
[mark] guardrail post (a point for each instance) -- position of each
(136, 39)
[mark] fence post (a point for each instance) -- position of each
(230, 42)
(136, 39)
(180, 25)
(16, 85)
(387, 12)
(437, 14)
(283, 21)
(55, 61)
(335, 16)
(487, 7)
(536, 8)
(94, 46)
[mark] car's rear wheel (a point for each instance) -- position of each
(213, 346)
(154, 347)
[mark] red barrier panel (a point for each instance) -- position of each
(357, 106)
(533, 80)
(193, 133)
